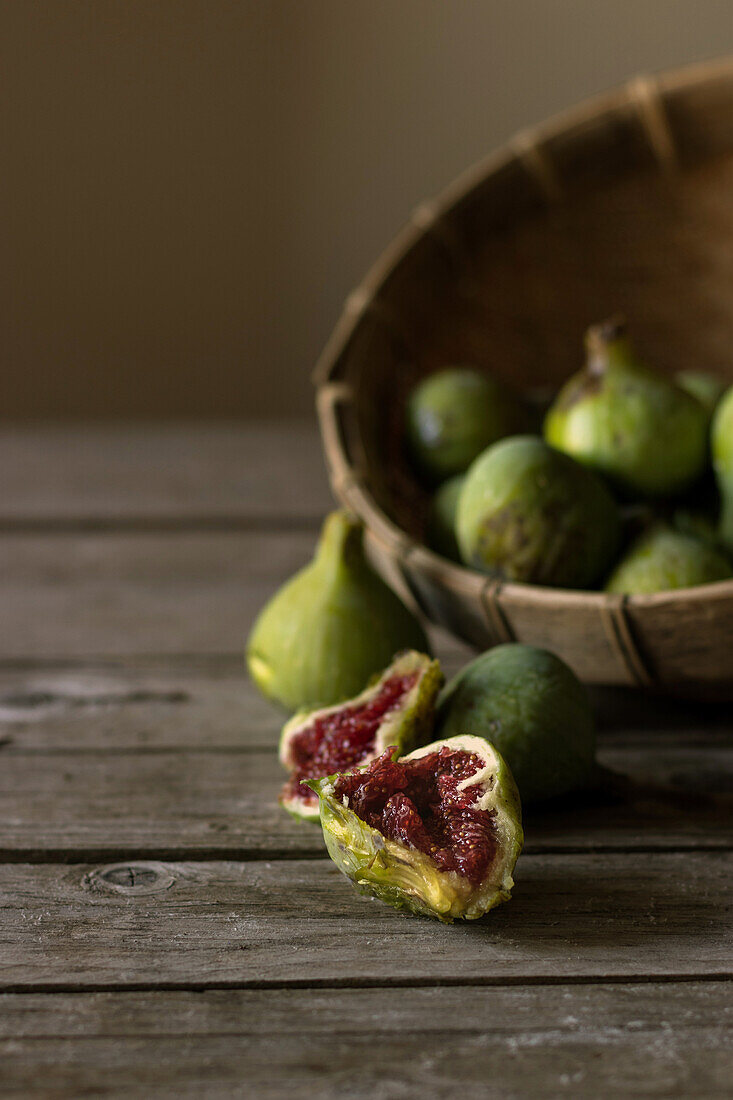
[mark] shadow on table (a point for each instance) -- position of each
(676, 800)
(618, 708)
(607, 901)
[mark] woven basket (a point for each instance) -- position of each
(622, 205)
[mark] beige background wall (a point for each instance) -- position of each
(191, 187)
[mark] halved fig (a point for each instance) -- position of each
(437, 832)
(396, 710)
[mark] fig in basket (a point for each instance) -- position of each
(700, 524)
(705, 387)
(454, 415)
(646, 434)
(331, 627)
(437, 832)
(722, 450)
(442, 518)
(397, 710)
(662, 558)
(528, 513)
(533, 709)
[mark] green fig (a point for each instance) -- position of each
(332, 626)
(698, 524)
(442, 518)
(436, 833)
(662, 559)
(535, 712)
(705, 387)
(640, 430)
(397, 710)
(721, 439)
(453, 415)
(528, 513)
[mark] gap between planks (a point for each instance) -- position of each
(505, 982)
(128, 854)
(163, 525)
(51, 857)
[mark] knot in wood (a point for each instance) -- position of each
(131, 879)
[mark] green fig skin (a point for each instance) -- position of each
(407, 879)
(705, 387)
(645, 434)
(406, 727)
(535, 712)
(441, 531)
(698, 525)
(662, 559)
(455, 414)
(528, 513)
(330, 627)
(721, 442)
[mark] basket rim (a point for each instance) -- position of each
(645, 93)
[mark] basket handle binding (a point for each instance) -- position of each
(647, 100)
(615, 619)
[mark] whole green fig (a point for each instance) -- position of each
(721, 441)
(454, 415)
(331, 627)
(532, 707)
(442, 518)
(643, 432)
(662, 559)
(529, 513)
(705, 387)
(699, 524)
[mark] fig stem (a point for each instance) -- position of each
(341, 540)
(601, 339)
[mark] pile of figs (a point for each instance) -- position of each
(629, 486)
(416, 785)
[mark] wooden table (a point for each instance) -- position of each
(167, 930)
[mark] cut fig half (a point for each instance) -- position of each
(437, 832)
(396, 710)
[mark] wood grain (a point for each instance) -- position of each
(210, 703)
(178, 803)
(157, 475)
(91, 596)
(191, 925)
(613, 1040)
(120, 762)
(107, 708)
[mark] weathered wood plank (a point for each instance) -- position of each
(180, 804)
(194, 925)
(627, 1008)
(108, 762)
(112, 474)
(94, 596)
(67, 595)
(123, 709)
(594, 1041)
(189, 703)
